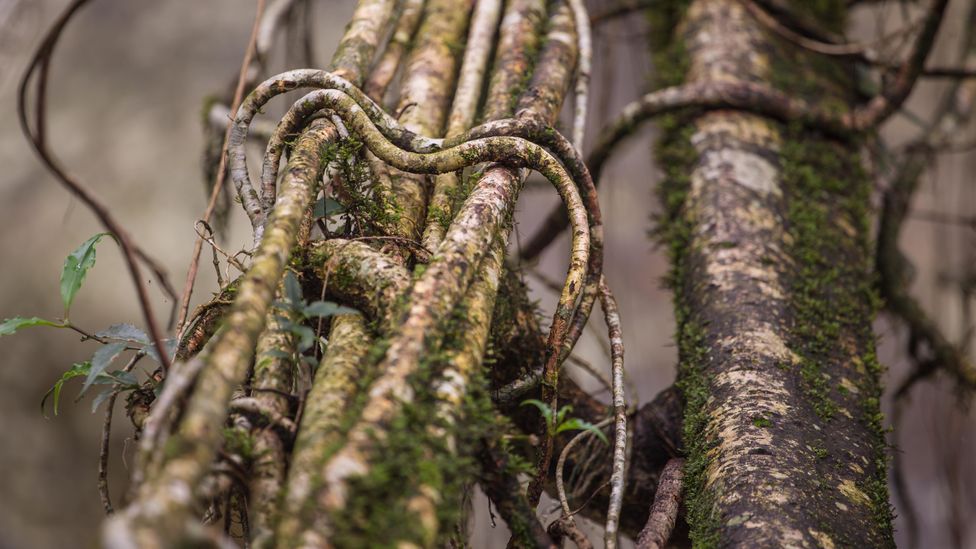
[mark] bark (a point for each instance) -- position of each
(768, 232)
(766, 222)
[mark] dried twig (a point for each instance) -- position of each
(103, 454)
(191, 274)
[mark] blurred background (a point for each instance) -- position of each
(126, 98)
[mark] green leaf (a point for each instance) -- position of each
(577, 424)
(326, 309)
(11, 325)
(293, 291)
(561, 414)
(76, 266)
(125, 332)
(76, 370)
(101, 360)
(543, 407)
(327, 206)
(305, 335)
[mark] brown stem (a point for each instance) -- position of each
(664, 511)
(191, 273)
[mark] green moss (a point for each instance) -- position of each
(412, 453)
(239, 442)
(676, 156)
(368, 204)
(762, 422)
(833, 296)
(441, 216)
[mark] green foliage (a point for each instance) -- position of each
(239, 442)
(76, 267)
(101, 360)
(326, 206)
(123, 381)
(115, 339)
(365, 202)
(558, 422)
(11, 325)
(299, 312)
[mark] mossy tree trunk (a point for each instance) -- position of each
(768, 230)
(416, 397)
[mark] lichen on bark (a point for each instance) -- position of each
(768, 233)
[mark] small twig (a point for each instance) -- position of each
(103, 453)
(191, 274)
(209, 239)
(664, 511)
(583, 62)
(566, 527)
(612, 317)
(561, 466)
(894, 95)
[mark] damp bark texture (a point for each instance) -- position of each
(768, 233)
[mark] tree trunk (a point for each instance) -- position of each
(766, 222)
(768, 229)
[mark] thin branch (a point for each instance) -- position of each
(504, 491)
(103, 453)
(863, 50)
(664, 511)
(561, 466)
(566, 527)
(583, 64)
(894, 95)
(39, 66)
(261, 412)
(191, 274)
(618, 474)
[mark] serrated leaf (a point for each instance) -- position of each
(577, 424)
(76, 370)
(543, 408)
(326, 309)
(326, 206)
(101, 360)
(76, 267)
(125, 332)
(11, 325)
